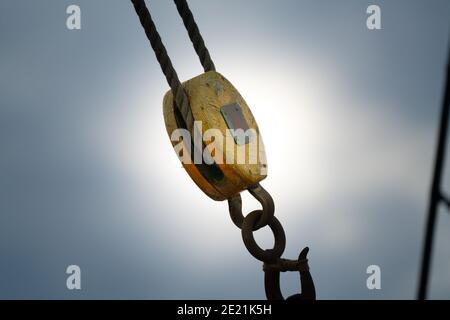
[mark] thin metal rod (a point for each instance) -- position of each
(435, 193)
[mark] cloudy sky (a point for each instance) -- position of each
(88, 176)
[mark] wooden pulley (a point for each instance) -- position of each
(223, 153)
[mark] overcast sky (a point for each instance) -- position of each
(88, 176)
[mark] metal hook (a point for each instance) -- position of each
(272, 278)
(273, 263)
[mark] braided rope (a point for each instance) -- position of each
(194, 35)
(180, 97)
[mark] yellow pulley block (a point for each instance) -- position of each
(224, 154)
